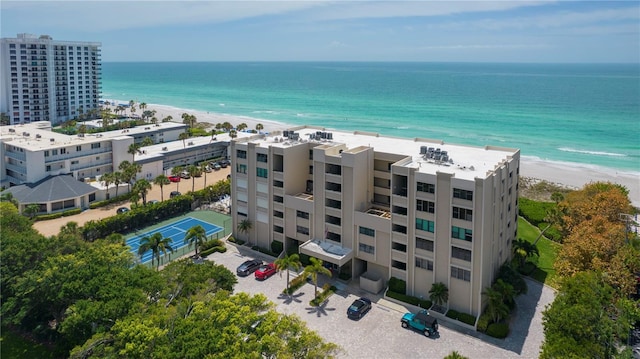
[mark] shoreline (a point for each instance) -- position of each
(572, 175)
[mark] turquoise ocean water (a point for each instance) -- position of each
(574, 113)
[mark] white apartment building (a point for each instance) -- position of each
(48, 80)
(376, 207)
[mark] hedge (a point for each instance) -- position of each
(210, 244)
(397, 285)
(498, 330)
(277, 247)
(483, 322)
(219, 249)
(71, 212)
(327, 290)
(296, 283)
(264, 250)
(463, 317)
(409, 299)
(237, 241)
(120, 198)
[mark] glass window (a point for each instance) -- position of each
(425, 244)
(425, 225)
(463, 194)
(461, 274)
(460, 253)
(426, 187)
(425, 206)
(367, 231)
(462, 233)
(367, 248)
(462, 213)
(424, 263)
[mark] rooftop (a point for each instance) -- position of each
(427, 155)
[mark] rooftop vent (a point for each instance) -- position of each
(52, 140)
(190, 143)
(165, 148)
(38, 136)
(12, 130)
(81, 135)
(25, 134)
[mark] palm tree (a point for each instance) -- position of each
(142, 187)
(183, 136)
(161, 181)
(132, 106)
(313, 270)
(195, 234)
(31, 210)
(259, 127)
(107, 179)
(71, 229)
(496, 308)
(147, 141)
(455, 355)
(227, 126)
(245, 226)
(506, 291)
(82, 129)
(167, 119)
(439, 293)
(117, 180)
(176, 171)
(8, 197)
(523, 249)
(143, 106)
(193, 171)
(233, 134)
(241, 126)
(189, 120)
(288, 262)
(157, 244)
(202, 168)
(133, 149)
(129, 171)
(218, 126)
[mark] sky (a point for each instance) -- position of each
(430, 31)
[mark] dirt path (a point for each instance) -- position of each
(52, 227)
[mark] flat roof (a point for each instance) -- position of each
(465, 162)
(37, 136)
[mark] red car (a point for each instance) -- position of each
(265, 271)
(174, 178)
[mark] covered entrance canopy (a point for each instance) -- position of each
(327, 250)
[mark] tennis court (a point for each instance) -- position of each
(176, 231)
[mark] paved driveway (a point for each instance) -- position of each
(379, 334)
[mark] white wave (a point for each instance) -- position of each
(221, 104)
(597, 153)
(300, 115)
(578, 165)
(402, 127)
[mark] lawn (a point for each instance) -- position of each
(548, 249)
(14, 346)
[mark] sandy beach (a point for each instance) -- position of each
(570, 175)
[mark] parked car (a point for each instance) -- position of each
(122, 210)
(421, 322)
(265, 271)
(174, 194)
(153, 201)
(174, 178)
(216, 166)
(185, 175)
(359, 308)
(248, 267)
(224, 164)
(207, 169)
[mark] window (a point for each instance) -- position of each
(425, 225)
(240, 168)
(425, 206)
(278, 214)
(95, 145)
(425, 244)
(75, 162)
(399, 247)
(460, 253)
(78, 148)
(331, 186)
(333, 220)
(462, 213)
(311, 154)
(278, 184)
(63, 151)
(424, 263)
(301, 214)
(46, 153)
(399, 228)
(278, 229)
(463, 194)
(367, 248)
(399, 265)
(48, 168)
(461, 274)
(241, 154)
(303, 230)
(461, 233)
(54, 152)
(261, 157)
(333, 169)
(368, 231)
(333, 203)
(426, 187)
(278, 199)
(334, 236)
(399, 210)
(262, 172)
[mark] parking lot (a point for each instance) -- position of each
(379, 334)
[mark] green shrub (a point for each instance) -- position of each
(453, 314)
(237, 241)
(264, 250)
(397, 285)
(304, 259)
(553, 233)
(534, 211)
(210, 244)
(71, 212)
(409, 299)
(276, 247)
(467, 318)
(498, 330)
(483, 322)
(327, 290)
(120, 198)
(296, 283)
(219, 249)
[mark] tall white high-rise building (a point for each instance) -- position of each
(48, 80)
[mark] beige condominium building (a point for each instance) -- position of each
(374, 207)
(48, 80)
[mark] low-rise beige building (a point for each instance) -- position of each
(374, 207)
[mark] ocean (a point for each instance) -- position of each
(576, 114)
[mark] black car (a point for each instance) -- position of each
(174, 194)
(248, 267)
(359, 308)
(122, 210)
